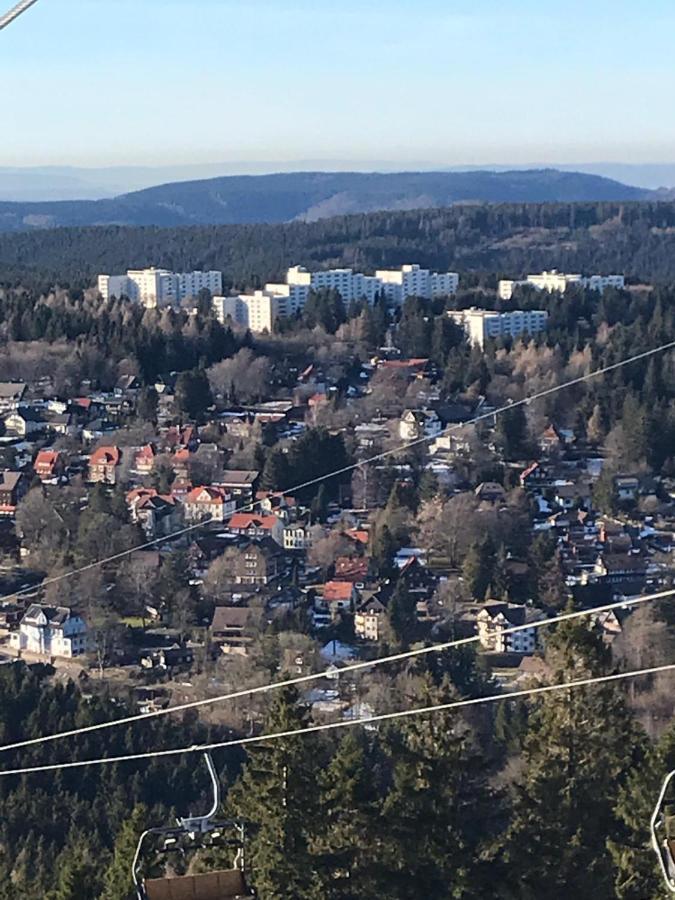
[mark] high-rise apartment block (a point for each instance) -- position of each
(159, 287)
(559, 281)
(290, 297)
(482, 325)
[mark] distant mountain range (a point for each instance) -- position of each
(309, 196)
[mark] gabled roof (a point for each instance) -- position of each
(105, 456)
(207, 494)
(244, 521)
(147, 452)
(12, 390)
(46, 458)
(335, 591)
(55, 615)
(9, 480)
(243, 477)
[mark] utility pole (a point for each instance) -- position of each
(15, 12)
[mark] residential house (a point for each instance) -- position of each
(208, 503)
(490, 492)
(24, 422)
(353, 569)
(627, 488)
(337, 597)
(569, 496)
(103, 465)
(298, 536)
(158, 515)
(369, 618)
(64, 424)
(255, 526)
(618, 568)
(419, 424)
(233, 628)
(257, 563)
(144, 460)
(551, 441)
(240, 484)
(13, 487)
(48, 465)
(494, 620)
(50, 631)
(11, 395)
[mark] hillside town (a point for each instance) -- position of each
(232, 545)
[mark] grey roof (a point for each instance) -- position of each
(9, 480)
(55, 615)
(238, 477)
(12, 390)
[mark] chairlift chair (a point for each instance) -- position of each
(663, 833)
(229, 884)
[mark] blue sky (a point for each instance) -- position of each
(99, 82)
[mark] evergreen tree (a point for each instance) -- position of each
(278, 793)
(432, 817)
(478, 567)
(402, 614)
(637, 872)
(578, 751)
(512, 433)
(193, 394)
(349, 822)
(117, 883)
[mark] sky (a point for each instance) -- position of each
(414, 82)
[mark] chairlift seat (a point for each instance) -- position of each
(224, 885)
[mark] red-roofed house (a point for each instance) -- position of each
(359, 535)
(48, 464)
(103, 465)
(208, 502)
(157, 514)
(355, 571)
(145, 459)
(253, 526)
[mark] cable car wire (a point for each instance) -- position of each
(248, 507)
(15, 12)
(347, 670)
(348, 723)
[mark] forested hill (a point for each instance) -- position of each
(635, 238)
(310, 196)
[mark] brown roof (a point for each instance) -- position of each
(227, 885)
(225, 617)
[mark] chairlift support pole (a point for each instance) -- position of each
(15, 12)
(660, 843)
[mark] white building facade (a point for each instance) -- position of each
(159, 287)
(482, 325)
(555, 281)
(51, 632)
(260, 310)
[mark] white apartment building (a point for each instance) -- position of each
(559, 282)
(159, 287)
(257, 311)
(482, 325)
(260, 310)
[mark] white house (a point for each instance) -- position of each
(496, 618)
(419, 423)
(51, 632)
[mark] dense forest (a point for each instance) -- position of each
(542, 800)
(634, 238)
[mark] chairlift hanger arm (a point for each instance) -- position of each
(15, 12)
(661, 847)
